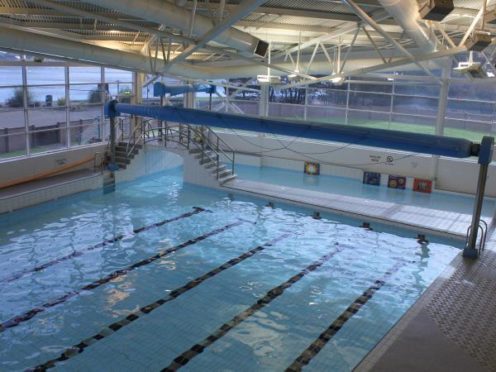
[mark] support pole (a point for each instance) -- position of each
(485, 157)
(112, 142)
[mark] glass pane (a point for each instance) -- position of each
(48, 139)
(417, 90)
(471, 90)
(326, 114)
(44, 118)
(122, 91)
(11, 98)
(85, 132)
(327, 97)
(289, 95)
(470, 110)
(78, 116)
(413, 123)
(11, 120)
(87, 94)
(52, 96)
(248, 107)
(40, 75)
(364, 87)
(415, 105)
(470, 130)
(85, 74)
(10, 75)
(370, 101)
(369, 119)
(12, 145)
(113, 75)
(286, 111)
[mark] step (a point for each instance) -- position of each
(123, 155)
(122, 160)
(223, 180)
(208, 161)
(124, 149)
(223, 174)
(124, 144)
(210, 165)
(194, 151)
(207, 154)
(221, 169)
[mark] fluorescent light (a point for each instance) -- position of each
(338, 79)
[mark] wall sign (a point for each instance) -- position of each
(421, 185)
(311, 168)
(372, 178)
(397, 182)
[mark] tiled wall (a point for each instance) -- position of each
(29, 198)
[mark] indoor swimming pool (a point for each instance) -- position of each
(354, 187)
(162, 275)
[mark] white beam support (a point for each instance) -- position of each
(242, 11)
(472, 25)
(366, 18)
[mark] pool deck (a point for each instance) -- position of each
(452, 327)
(422, 220)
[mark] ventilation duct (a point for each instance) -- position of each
(406, 14)
(170, 15)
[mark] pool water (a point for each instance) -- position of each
(166, 275)
(353, 187)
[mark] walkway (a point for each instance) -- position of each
(422, 220)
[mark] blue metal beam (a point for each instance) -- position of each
(390, 139)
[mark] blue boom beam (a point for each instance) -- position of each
(412, 142)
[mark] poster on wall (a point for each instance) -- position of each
(421, 185)
(397, 182)
(311, 168)
(372, 178)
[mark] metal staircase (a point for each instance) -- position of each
(200, 142)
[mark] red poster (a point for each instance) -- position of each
(421, 185)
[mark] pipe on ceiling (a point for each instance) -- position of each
(406, 14)
(170, 15)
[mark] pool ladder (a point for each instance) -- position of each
(481, 244)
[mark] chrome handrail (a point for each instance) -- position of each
(203, 139)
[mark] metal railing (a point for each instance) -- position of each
(481, 244)
(200, 138)
(203, 139)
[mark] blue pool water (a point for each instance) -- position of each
(353, 187)
(260, 310)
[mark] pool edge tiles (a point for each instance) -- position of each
(424, 220)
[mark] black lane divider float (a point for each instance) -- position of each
(271, 295)
(115, 239)
(114, 327)
(24, 317)
(315, 347)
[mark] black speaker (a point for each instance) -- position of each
(437, 10)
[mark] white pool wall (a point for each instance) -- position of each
(455, 175)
